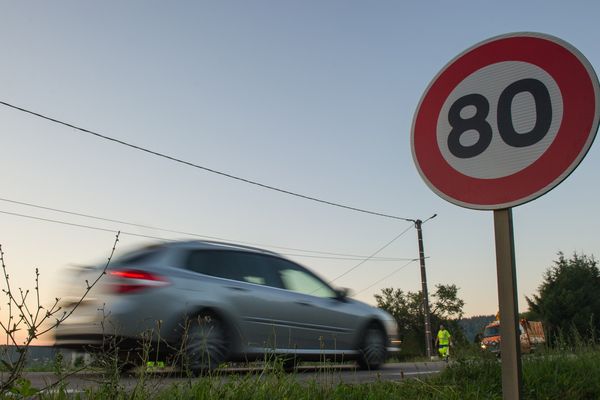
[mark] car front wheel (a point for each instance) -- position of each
(373, 350)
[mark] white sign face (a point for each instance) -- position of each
(506, 121)
(499, 159)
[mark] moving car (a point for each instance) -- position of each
(214, 302)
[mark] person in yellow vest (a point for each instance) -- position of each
(442, 342)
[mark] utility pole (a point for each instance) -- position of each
(418, 224)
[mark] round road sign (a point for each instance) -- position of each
(506, 121)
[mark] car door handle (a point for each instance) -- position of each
(239, 289)
(303, 303)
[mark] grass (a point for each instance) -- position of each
(553, 374)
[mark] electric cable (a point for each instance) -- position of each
(387, 276)
(172, 240)
(87, 215)
(83, 226)
(372, 255)
(188, 163)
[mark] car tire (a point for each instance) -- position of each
(127, 361)
(373, 351)
(290, 363)
(206, 345)
(127, 368)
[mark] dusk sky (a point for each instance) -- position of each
(312, 97)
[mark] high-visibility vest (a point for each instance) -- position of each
(443, 337)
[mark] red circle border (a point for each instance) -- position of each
(578, 86)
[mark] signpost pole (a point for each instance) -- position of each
(510, 348)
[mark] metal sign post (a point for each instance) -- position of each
(510, 345)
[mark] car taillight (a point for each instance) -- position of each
(133, 281)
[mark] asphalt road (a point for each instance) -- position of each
(324, 375)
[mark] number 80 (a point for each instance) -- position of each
(478, 122)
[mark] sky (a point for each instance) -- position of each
(313, 97)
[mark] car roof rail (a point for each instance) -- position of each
(213, 243)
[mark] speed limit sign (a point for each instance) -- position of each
(506, 121)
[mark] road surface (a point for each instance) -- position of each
(325, 375)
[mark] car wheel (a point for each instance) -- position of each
(207, 346)
(373, 350)
(126, 361)
(127, 368)
(290, 363)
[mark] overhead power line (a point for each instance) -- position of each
(166, 239)
(355, 258)
(178, 160)
(81, 225)
(339, 256)
(372, 255)
(385, 277)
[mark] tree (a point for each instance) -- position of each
(407, 309)
(446, 305)
(568, 300)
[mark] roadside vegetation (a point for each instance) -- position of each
(406, 307)
(25, 319)
(570, 372)
(567, 300)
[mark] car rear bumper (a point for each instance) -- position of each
(96, 342)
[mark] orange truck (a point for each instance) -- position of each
(532, 335)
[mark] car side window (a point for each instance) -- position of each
(255, 268)
(236, 265)
(298, 279)
(211, 262)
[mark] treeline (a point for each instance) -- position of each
(473, 325)
(567, 302)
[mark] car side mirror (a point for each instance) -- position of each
(342, 293)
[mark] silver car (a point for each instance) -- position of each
(216, 302)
